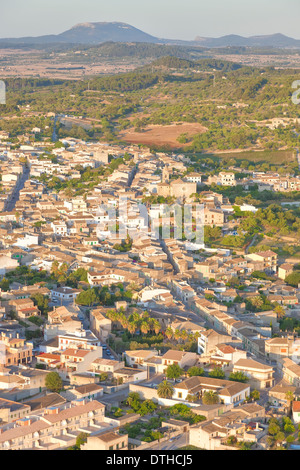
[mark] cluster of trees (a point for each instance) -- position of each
(59, 274)
(272, 221)
(42, 302)
(24, 275)
(242, 445)
(259, 303)
(80, 440)
(138, 430)
(53, 382)
(293, 279)
(280, 430)
(142, 407)
(125, 245)
(121, 95)
(130, 81)
(181, 335)
(135, 322)
(103, 295)
(184, 413)
(289, 324)
(224, 138)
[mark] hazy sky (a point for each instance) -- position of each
(174, 19)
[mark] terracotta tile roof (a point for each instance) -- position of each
(73, 411)
(296, 406)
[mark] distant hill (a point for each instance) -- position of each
(90, 33)
(206, 64)
(97, 33)
(273, 40)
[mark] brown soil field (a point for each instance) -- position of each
(162, 135)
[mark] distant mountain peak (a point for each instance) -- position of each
(84, 25)
(100, 32)
(268, 40)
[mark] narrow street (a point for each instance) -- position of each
(10, 204)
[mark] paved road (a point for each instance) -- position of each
(172, 444)
(10, 205)
(250, 244)
(54, 134)
(117, 397)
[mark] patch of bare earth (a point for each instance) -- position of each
(158, 135)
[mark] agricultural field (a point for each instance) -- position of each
(202, 106)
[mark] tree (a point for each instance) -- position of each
(165, 390)
(134, 401)
(210, 398)
(156, 326)
(169, 333)
(41, 301)
(147, 407)
(289, 428)
(238, 376)
(293, 279)
(145, 327)
(4, 284)
(87, 297)
(255, 395)
(273, 428)
(81, 439)
(184, 335)
(245, 445)
(132, 327)
(191, 398)
(195, 371)
(54, 382)
(174, 371)
(177, 334)
(217, 373)
(279, 310)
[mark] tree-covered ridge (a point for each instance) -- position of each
(235, 104)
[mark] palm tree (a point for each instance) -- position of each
(121, 318)
(177, 334)
(131, 328)
(54, 267)
(145, 327)
(289, 396)
(210, 398)
(279, 310)
(112, 315)
(136, 317)
(169, 332)
(165, 390)
(156, 326)
(183, 335)
(145, 315)
(257, 301)
(191, 398)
